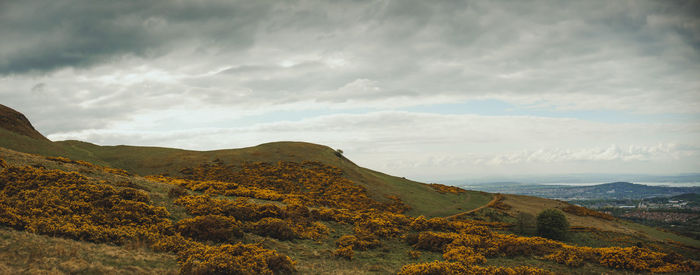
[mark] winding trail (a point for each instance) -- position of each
(496, 198)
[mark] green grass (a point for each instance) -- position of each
(662, 235)
(27, 253)
(424, 200)
(316, 257)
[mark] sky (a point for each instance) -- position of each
(429, 90)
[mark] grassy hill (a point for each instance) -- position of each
(423, 199)
(224, 212)
(311, 256)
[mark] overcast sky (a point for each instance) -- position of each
(429, 90)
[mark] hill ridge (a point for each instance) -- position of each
(16, 122)
(141, 160)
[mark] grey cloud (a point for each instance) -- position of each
(636, 54)
(48, 35)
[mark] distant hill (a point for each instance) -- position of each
(614, 190)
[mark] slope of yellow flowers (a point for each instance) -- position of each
(57, 203)
(317, 183)
(307, 198)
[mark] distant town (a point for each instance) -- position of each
(671, 208)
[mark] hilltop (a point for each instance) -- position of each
(16, 122)
(284, 207)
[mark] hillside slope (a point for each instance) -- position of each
(423, 199)
(353, 242)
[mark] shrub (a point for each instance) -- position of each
(176, 192)
(346, 240)
(414, 254)
(210, 228)
(344, 252)
(463, 254)
(274, 227)
(513, 245)
(239, 209)
(134, 195)
(357, 243)
(436, 224)
(631, 258)
(314, 230)
(235, 259)
(434, 268)
(296, 211)
(552, 223)
(268, 211)
(375, 225)
(569, 256)
(434, 241)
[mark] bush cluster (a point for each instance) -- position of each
(210, 228)
(57, 203)
(284, 223)
(362, 243)
(309, 182)
(274, 227)
(90, 165)
(454, 268)
(236, 259)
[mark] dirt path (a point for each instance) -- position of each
(496, 198)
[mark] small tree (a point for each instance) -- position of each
(552, 223)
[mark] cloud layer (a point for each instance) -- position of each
(218, 74)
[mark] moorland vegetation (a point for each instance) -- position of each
(224, 205)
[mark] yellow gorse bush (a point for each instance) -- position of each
(57, 203)
(90, 165)
(210, 228)
(236, 259)
(454, 268)
(309, 182)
